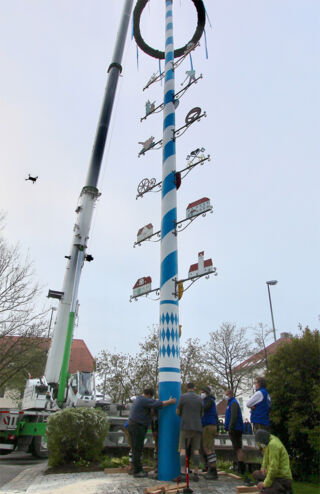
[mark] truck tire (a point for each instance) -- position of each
(39, 448)
(5, 452)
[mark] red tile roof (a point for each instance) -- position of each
(258, 357)
(80, 356)
(149, 226)
(199, 201)
(194, 267)
(146, 280)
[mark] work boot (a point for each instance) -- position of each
(241, 467)
(212, 474)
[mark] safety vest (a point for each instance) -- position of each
(210, 416)
(239, 423)
(260, 412)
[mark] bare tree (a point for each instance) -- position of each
(194, 368)
(261, 336)
(20, 323)
(227, 348)
(115, 371)
(123, 376)
(147, 360)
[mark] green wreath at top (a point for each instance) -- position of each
(201, 12)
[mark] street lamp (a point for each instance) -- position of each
(272, 282)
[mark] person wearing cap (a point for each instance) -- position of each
(209, 422)
(275, 476)
(139, 420)
(234, 425)
(260, 405)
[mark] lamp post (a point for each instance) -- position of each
(272, 282)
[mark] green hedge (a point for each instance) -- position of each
(76, 434)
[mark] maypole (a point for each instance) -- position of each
(171, 288)
(169, 351)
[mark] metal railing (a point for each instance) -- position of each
(222, 441)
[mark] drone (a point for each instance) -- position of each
(32, 179)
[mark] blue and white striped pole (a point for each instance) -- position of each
(169, 351)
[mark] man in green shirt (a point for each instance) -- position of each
(275, 475)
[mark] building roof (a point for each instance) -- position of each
(259, 357)
(146, 280)
(149, 226)
(80, 356)
(199, 201)
(194, 267)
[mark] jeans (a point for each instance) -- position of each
(137, 434)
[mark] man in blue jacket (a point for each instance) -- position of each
(260, 404)
(139, 421)
(234, 425)
(209, 422)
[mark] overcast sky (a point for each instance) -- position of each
(260, 89)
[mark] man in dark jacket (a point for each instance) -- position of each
(190, 411)
(247, 428)
(139, 420)
(260, 405)
(209, 422)
(234, 425)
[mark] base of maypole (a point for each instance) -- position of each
(168, 434)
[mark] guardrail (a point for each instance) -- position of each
(222, 441)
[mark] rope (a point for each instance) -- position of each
(205, 41)
(191, 64)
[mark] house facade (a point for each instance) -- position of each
(254, 366)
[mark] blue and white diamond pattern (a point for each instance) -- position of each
(169, 335)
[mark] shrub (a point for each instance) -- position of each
(75, 435)
(293, 383)
(109, 462)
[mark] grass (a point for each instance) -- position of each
(305, 488)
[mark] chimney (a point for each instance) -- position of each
(285, 335)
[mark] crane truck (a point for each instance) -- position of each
(25, 429)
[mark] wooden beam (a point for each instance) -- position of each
(244, 489)
(164, 488)
(233, 476)
(116, 470)
(155, 489)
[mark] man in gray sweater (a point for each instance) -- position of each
(190, 410)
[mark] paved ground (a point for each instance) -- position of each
(15, 463)
(33, 481)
